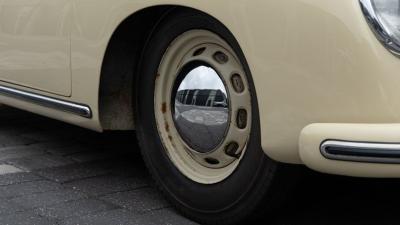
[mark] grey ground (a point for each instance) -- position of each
(54, 173)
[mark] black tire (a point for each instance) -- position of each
(257, 179)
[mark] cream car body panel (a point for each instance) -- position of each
(35, 44)
(312, 61)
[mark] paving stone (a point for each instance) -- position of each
(55, 147)
(19, 152)
(28, 188)
(39, 161)
(7, 169)
(7, 140)
(74, 172)
(76, 209)
(16, 178)
(123, 216)
(91, 156)
(78, 176)
(166, 216)
(129, 166)
(14, 128)
(25, 218)
(114, 217)
(67, 150)
(7, 207)
(140, 200)
(42, 136)
(48, 198)
(124, 141)
(103, 185)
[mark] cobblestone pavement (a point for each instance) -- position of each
(55, 173)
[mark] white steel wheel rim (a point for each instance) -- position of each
(190, 162)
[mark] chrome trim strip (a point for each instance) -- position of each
(70, 107)
(381, 33)
(361, 151)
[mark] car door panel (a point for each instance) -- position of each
(35, 44)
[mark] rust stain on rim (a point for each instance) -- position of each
(171, 139)
(164, 107)
(166, 126)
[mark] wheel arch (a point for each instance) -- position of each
(121, 60)
(119, 66)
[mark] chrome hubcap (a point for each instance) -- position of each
(201, 107)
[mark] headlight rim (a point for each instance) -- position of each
(378, 28)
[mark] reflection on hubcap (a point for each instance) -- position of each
(201, 110)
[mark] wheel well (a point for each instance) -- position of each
(121, 60)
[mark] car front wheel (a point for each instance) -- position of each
(198, 123)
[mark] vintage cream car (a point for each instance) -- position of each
(223, 95)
